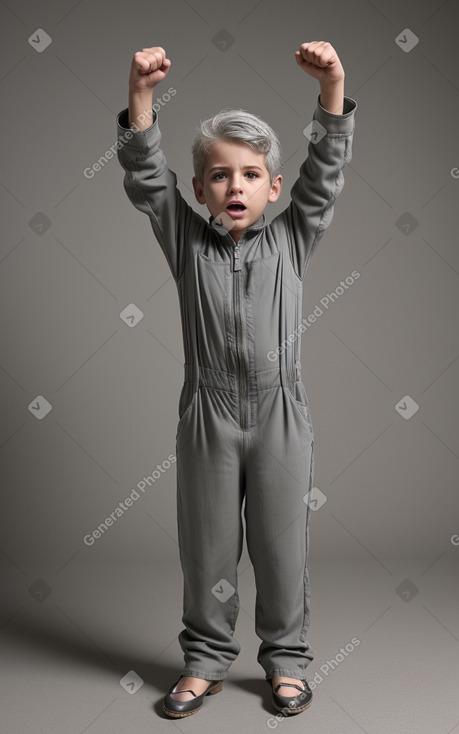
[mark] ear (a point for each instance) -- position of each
(198, 191)
(275, 189)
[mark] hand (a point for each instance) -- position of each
(320, 60)
(149, 67)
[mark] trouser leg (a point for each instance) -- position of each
(279, 467)
(210, 533)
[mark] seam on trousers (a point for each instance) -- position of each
(235, 612)
(306, 589)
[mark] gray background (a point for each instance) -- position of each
(390, 483)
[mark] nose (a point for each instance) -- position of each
(235, 183)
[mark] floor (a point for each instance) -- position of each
(93, 648)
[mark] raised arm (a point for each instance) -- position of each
(320, 178)
(149, 67)
(320, 60)
(149, 183)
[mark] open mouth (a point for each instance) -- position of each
(236, 207)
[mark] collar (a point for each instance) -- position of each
(259, 224)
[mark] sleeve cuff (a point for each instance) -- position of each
(122, 121)
(337, 124)
(138, 139)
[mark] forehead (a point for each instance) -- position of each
(233, 154)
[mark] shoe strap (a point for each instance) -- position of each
(185, 690)
(292, 685)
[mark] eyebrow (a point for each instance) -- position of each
(226, 168)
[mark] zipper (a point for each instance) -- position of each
(237, 262)
(240, 339)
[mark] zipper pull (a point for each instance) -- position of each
(237, 262)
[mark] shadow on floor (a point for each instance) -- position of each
(84, 650)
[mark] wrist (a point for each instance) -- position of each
(332, 96)
(141, 95)
(140, 105)
(331, 84)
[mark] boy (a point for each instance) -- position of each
(244, 429)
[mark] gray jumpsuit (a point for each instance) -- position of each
(244, 428)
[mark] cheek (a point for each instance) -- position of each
(212, 192)
(262, 190)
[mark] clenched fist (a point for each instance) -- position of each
(320, 60)
(149, 67)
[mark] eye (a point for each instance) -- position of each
(217, 175)
(252, 173)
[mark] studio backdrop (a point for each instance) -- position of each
(91, 346)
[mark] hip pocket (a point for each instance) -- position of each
(186, 404)
(301, 404)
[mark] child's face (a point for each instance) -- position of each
(233, 171)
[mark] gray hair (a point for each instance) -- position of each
(240, 126)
